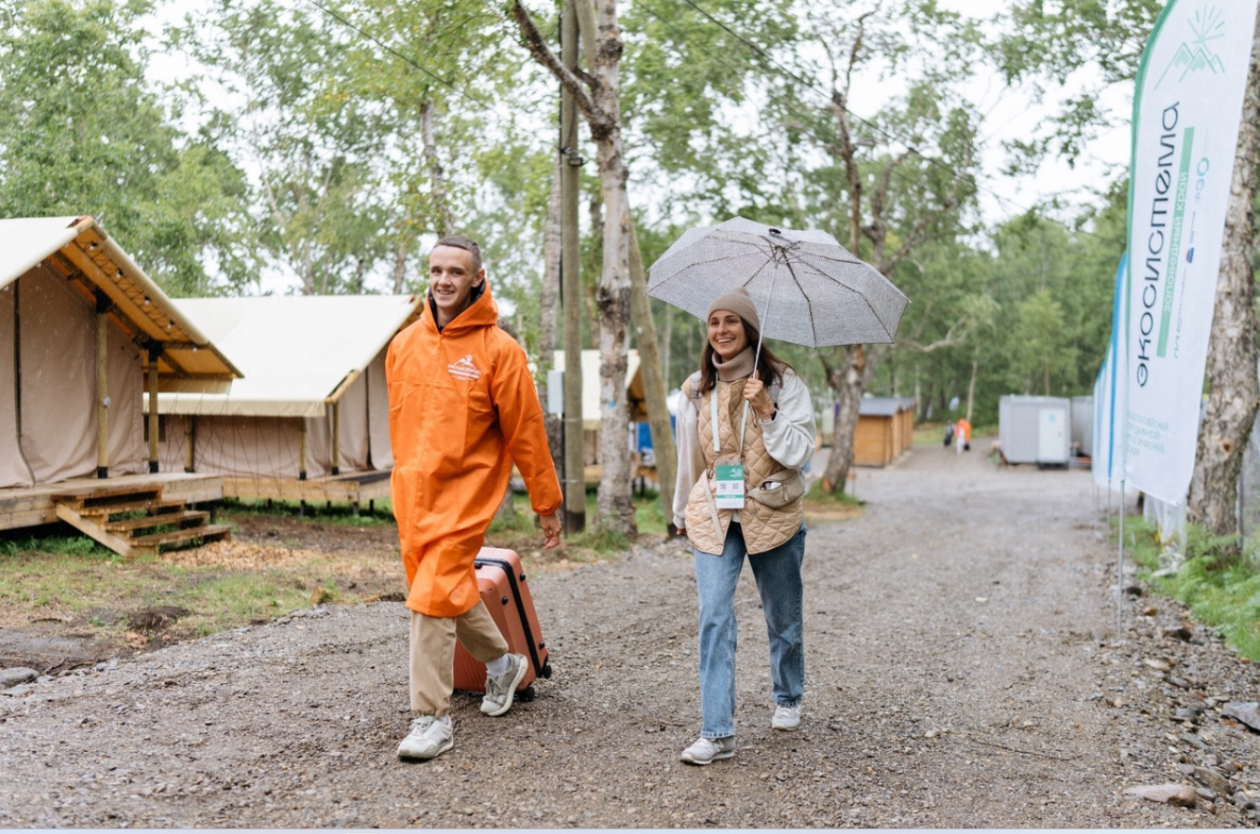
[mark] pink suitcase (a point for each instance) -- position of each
(506, 595)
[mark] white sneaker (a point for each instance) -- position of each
(501, 690)
(709, 750)
(786, 718)
(429, 737)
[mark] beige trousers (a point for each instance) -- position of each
(433, 654)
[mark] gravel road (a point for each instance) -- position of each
(962, 671)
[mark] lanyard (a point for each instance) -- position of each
(743, 424)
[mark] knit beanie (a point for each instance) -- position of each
(739, 302)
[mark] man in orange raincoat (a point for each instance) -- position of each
(462, 409)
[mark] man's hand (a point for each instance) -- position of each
(551, 530)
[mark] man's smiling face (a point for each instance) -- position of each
(452, 276)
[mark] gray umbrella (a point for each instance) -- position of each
(810, 289)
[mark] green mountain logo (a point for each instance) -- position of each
(1196, 54)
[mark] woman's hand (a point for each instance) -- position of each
(756, 396)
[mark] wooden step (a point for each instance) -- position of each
(182, 518)
(107, 492)
(159, 506)
(206, 534)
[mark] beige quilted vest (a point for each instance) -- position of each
(764, 528)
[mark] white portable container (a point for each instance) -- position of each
(1035, 429)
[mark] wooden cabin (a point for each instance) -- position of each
(86, 340)
(885, 429)
(310, 420)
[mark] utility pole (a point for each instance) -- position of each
(571, 288)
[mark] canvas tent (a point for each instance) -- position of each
(313, 403)
(591, 418)
(84, 334)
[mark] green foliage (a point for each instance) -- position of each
(83, 133)
(1049, 43)
(1223, 591)
(18, 542)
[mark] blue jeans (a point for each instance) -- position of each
(778, 575)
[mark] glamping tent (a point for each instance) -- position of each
(591, 418)
(310, 420)
(85, 336)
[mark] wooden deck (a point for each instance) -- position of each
(33, 506)
(350, 487)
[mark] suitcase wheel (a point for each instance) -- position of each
(527, 694)
(546, 670)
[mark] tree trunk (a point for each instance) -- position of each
(437, 180)
(971, 385)
(667, 339)
(1234, 394)
(595, 211)
(847, 381)
(597, 95)
(654, 389)
(400, 264)
(547, 324)
(616, 509)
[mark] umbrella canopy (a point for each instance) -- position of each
(808, 288)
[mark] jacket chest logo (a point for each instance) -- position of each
(464, 368)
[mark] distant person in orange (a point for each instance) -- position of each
(462, 410)
(962, 435)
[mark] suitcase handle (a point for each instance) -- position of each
(520, 605)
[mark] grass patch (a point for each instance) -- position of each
(933, 434)
(820, 505)
(74, 584)
(522, 535)
(224, 600)
(76, 545)
(1222, 591)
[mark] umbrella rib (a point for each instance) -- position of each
(820, 256)
(716, 260)
(842, 284)
(809, 308)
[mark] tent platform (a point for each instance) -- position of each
(32, 506)
(349, 487)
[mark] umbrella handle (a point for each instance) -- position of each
(765, 317)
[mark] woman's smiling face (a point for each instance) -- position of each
(726, 334)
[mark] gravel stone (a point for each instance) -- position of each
(924, 708)
(15, 675)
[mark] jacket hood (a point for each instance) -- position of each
(482, 312)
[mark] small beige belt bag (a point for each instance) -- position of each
(780, 489)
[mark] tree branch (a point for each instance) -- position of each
(575, 81)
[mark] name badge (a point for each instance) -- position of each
(729, 487)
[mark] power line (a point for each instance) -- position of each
(444, 82)
(809, 85)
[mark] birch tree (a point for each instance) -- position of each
(596, 91)
(1234, 396)
(1047, 45)
(889, 182)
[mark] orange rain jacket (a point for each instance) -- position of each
(462, 408)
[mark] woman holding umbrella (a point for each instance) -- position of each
(741, 447)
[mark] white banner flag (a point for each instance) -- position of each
(1186, 111)
(1108, 429)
